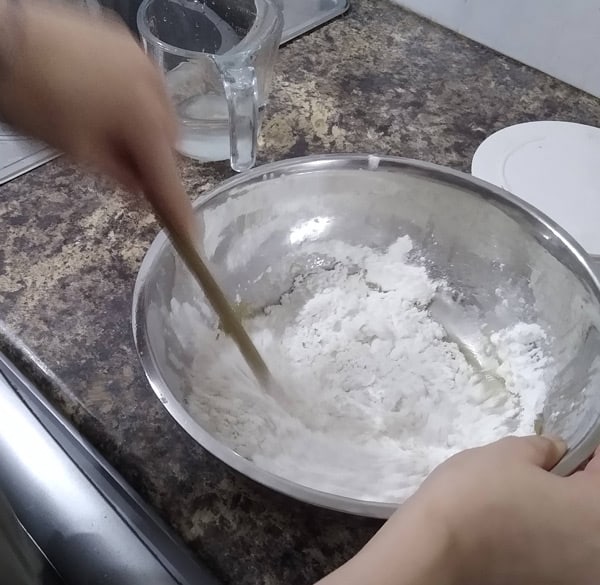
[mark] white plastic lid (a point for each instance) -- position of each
(554, 166)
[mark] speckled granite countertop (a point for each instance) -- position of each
(377, 80)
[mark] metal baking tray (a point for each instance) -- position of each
(19, 154)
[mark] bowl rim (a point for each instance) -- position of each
(574, 457)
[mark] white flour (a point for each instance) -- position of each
(374, 396)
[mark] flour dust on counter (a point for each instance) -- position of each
(374, 395)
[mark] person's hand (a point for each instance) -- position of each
(491, 516)
(83, 85)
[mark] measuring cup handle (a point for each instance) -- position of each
(242, 99)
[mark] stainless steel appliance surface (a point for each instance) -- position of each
(66, 516)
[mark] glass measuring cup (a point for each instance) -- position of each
(218, 57)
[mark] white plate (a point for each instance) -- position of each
(554, 166)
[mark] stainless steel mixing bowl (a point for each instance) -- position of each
(509, 261)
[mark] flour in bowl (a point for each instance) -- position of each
(373, 394)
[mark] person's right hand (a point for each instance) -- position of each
(83, 85)
(513, 521)
(494, 516)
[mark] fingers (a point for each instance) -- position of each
(115, 164)
(106, 155)
(152, 155)
(543, 452)
(141, 150)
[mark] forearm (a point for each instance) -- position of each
(411, 549)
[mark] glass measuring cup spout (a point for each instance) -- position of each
(218, 57)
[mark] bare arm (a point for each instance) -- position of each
(412, 548)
